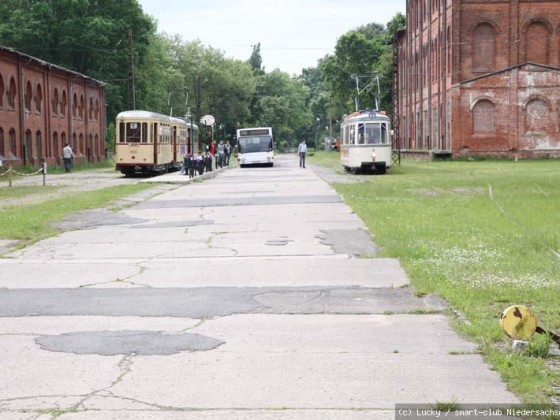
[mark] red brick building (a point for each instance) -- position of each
(478, 77)
(43, 107)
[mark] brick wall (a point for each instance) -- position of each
(44, 106)
(463, 77)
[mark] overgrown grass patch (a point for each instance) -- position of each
(484, 235)
(34, 222)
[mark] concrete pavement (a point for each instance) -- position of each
(249, 295)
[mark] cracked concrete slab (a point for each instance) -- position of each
(308, 330)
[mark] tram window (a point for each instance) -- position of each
(144, 132)
(361, 133)
(373, 134)
(122, 131)
(352, 137)
(133, 134)
(384, 136)
(155, 133)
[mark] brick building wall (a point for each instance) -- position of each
(43, 107)
(479, 77)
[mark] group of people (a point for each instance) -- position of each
(201, 163)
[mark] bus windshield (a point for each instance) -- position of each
(255, 144)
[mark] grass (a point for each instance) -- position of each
(484, 235)
(34, 222)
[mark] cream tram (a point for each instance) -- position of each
(366, 142)
(147, 142)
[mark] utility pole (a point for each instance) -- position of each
(131, 98)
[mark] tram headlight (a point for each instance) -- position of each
(373, 156)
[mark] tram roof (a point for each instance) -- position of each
(137, 113)
(368, 114)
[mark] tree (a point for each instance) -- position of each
(365, 50)
(88, 36)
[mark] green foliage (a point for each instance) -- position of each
(282, 103)
(88, 36)
(365, 50)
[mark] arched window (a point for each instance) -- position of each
(38, 98)
(537, 115)
(96, 109)
(12, 143)
(90, 110)
(82, 144)
(38, 145)
(56, 146)
(537, 43)
(484, 117)
(26, 147)
(1, 91)
(484, 48)
(75, 106)
(2, 145)
(63, 104)
(12, 93)
(27, 97)
(82, 106)
(54, 102)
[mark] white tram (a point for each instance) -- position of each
(147, 142)
(366, 142)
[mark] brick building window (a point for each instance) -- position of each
(12, 143)
(1, 91)
(28, 96)
(82, 106)
(537, 115)
(537, 43)
(90, 110)
(11, 94)
(56, 145)
(96, 109)
(38, 98)
(63, 104)
(75, 106)
(54, 102)
(2, 146)
(38, 145)
(484, 48)
(484, 117)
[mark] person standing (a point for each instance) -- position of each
(302, 150)
(67, 156)
(227, 152)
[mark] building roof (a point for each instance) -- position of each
(43, 63)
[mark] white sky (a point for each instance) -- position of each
(293, 34)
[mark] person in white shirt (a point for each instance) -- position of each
(67, 156)
(302, 150)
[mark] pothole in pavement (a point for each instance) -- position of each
(112, 343)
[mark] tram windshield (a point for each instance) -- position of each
(255, 144)
(372, 133)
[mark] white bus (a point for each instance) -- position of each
(255, 146)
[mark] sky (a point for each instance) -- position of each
(293, 34)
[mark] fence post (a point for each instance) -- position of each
(10, 176)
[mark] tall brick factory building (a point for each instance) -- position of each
(43, 107)
(476, 77)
